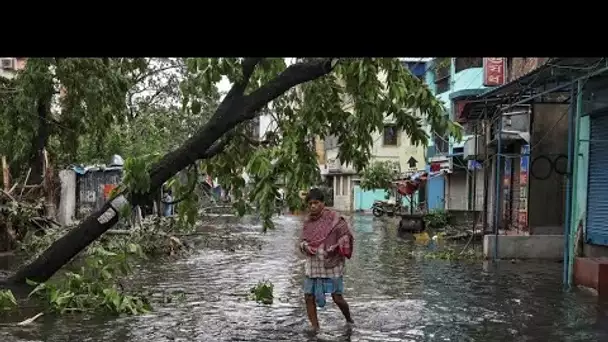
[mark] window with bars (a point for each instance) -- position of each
(441, 145)
(442, 74)
(463, 63)
(391, 135)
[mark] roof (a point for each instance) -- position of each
(553, 76)
(416, 59)
(466, 93)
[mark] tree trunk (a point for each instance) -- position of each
(6, 178)
(40, 141)
(233, 110)
(65, 248)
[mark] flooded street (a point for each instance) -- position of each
(392, 297)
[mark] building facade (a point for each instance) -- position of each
(10, 65)
(389, 145)
(450, 186)
(589, 208)
(545, 140)
(522, 149)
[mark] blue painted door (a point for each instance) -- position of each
(436, 191)
(597, 195)
(365, 199)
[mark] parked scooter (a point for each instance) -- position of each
(380, 208)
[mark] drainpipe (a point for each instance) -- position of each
(572, 124)
(497, 202)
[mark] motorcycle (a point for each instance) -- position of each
(380, 208)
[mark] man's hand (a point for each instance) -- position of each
(304, 248)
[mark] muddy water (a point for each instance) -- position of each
(392, 297)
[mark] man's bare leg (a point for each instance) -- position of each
(343, 305)
(311, 310)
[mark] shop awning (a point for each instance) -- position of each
(555, 76)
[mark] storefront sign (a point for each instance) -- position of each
(522, 216)
(494, 71)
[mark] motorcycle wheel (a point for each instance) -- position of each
(377, 212)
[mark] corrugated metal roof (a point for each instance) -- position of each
(551, 74)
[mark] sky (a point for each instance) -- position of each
(224, 84)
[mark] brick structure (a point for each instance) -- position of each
(520, 66)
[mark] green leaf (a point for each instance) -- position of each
(195, 107)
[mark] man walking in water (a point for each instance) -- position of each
(326, 242)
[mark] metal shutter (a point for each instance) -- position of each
(597, 188)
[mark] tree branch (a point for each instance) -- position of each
(292, 76)
(189, 192)
(217, 147)
(238, 88)
(143, 76)
(254, 142)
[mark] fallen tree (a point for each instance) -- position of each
(373, 87)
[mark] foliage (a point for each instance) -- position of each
(19, 219)
(110, 105)
(94, 287)
(350, 103)
(328, 193)
(455, 254)
(437, 218)
(262, 292)
(93, 282)
(57, 100)
(156, 238)
(98, 107)
(379, 175)
(7, 300)
(137, 175)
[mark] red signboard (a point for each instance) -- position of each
(459, 109)
(107, 190)
(493, 71)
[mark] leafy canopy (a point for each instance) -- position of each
(122, 105)
(351, 103)
(379, 175)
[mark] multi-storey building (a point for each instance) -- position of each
(389, 145)
(450, 187)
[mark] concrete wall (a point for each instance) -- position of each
(548, 247)
(456, 191)
(520, 66)
(491, 192)
(363, 200)
(320, 150)
(400, 153)
(478, 187)
(343, 192)
(67, 202)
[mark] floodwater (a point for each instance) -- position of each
(392, 297)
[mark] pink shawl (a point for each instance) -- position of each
(331, 232)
